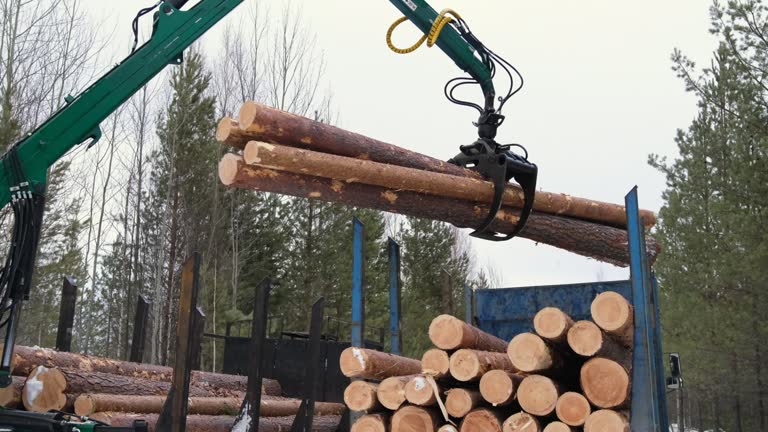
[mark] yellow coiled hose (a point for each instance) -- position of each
(445, 17)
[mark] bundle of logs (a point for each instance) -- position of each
(118, 392)
(567, 376)
(283, 153)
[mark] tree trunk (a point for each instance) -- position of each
(370, 364)
(391, 391)
(262, 123)
(200, 423)
(613, 313)
(459, 402)
(591, 240)
(372, 423)
(436, 363)
(415, 419)
(471, 365)
(450, 333)
(607, 421)
(499, 387)
(605, 383)
(482, 419)
(522, 422)
(10, 397)
(552, 324)
(529, 353)
(573, 409)
(586, 339)
(538, 395)
(361, 396)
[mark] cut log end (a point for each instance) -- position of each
(465, 365)
(414, 419)
(605, 383)
(229, 167)
(247, 115)
(44, 390)
(225, 128)
(611, 311)
(529, 353)
(573, 409)
(391, 392)
(522, 422)
(419, 392)
(370, 364)
(481, 420)
(85, 405)
(448, 428)
(371, 423)
(585, 338)
(552, 323)
(557, 426)
(607, 421)
(460, 402)
(538, 395)
(446, 332)
(498, 387)
(361, 396)
(436, 363)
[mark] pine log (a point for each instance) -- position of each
(522, 422)
(482, 419)
(459, 402)
(361, 396)
(499, 387)
(613, 313)
(530, 353)
(552, 324)
(596, 241)
(573, 409)
(370, 364)
(607, 421)
(44, 390)
(587, 339)
(25, 359)
(450, 333)
(471, 365)
(419, 392)
(538, 395)
(605, 383)
(372, 423)
(448, 428)
(201, 423)
(557, 426)
(436, 363)
(415, 419)
(391, 391)
(262, 123)
(10, 397)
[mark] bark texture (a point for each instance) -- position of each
(370, 364)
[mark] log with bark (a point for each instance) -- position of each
(573, 409)
(613, 313)
(607, 421)
(538, 395)
(261, 123)
(420, 392)
(371, 364)
(436, 363)
(605, 383)
(391, 391)
(482, 419)
(459, 402)
(25, 359)
(201, 423)
(10, 397)
(530, 353)
(450, 333)
(499, 387)
(372, 423)
(552, 324)
(415, 419)
(584, 238)
(471, 365)
(361, 396)
(587, 339)
(522, 422)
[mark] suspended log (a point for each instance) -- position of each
(459, 402)
(482, 419)
(372, 423)
(573, 409)
(436, 363)
(613, 313)
(529, 353)
(471, 365)
(370, 364)
(557, 426)
(415, 419)
(361, 396)
(10, 397)
(584, 238)
(605, 383)
(522, 422)
(262, 123)
(538, 395)
(552, 324)
(499, 387)
(607, 421)
(419, 391)
(201, 423)
(587, 339)
(25, 359)
(391, 391)
(450, 333)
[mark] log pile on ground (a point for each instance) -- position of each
(119, 392)
(566, 376)
(283, 153)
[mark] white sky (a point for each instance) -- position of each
(599, 95)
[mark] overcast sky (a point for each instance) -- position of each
(599, 95)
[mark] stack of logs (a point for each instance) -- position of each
(283, 153)
(567, 376)
(118, 392)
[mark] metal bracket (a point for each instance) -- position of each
(304, 418)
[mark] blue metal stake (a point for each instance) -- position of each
(358, 278)
(394, 296)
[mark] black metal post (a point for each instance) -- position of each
(139, 330)
(174, 414)
(248, 418)
(197, 334)
(66, 315)
(304, 418)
